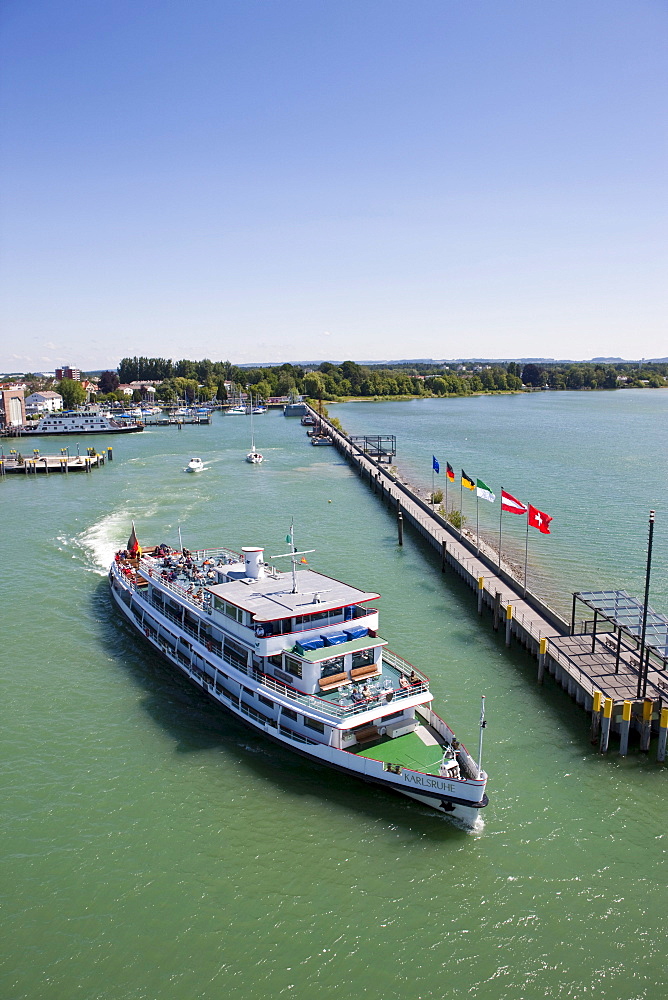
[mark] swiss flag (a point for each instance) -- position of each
(537, 519)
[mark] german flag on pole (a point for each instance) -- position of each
(133, 546)
(467, 482)
(450, 472)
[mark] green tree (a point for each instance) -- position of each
(73, 393)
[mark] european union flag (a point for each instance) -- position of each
(434, 464)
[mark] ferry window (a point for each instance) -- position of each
(362, 658)
(233, 612)
(276, 661)
(287, 713)
(331, 667)
(265, 701)
(236, 652)
(293, 667)
(318, 618)
(314, 724)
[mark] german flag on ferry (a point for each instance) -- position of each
(467, 482)
(450, 472)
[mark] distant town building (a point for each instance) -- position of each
(67, 372)
(12, 408)
(145, 390)
(43, 402)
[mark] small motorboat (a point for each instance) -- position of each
(194, 465)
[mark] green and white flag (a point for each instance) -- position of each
(484, 491)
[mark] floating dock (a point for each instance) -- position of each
(599, 671)
(15, 464)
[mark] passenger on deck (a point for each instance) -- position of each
(414, 679)
(403, 681)
(366, 692)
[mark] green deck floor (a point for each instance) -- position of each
(409, 751)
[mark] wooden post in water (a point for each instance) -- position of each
(663, 732)
(605, 725)
(444, 553)
(110, 454)
(646, 730)
(509, 623)
(481, 587)
(624, 729)
(542, 651)
(497, 610)
(400, 524)
(596, 716)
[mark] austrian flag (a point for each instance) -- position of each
(510, 503)
(537, 519)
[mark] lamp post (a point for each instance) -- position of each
(644, 658)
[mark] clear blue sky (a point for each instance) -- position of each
(296, 179)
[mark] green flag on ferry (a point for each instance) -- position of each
(288, 539)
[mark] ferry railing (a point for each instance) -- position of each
(334, 708)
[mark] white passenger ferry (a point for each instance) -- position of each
(82, 423)
(297, 655)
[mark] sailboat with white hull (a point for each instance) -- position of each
(297, 656)
(254, 456)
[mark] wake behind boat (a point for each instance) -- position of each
(298, 657)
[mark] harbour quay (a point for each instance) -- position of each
(16, 464)
(597, 657)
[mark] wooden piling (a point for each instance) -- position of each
(444, 555)
(509, 623)
(400, 524)
(663, 732)
(596, 716)
(481, 588)
(624, 727)
(110, 454)
(542, 651)
(497, 610)
(605, 725)
(646, 729)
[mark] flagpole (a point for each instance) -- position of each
(432, 483)
(446, 490)
(526, 553)
(477, 521)
(461, 505)
(500, 519)
(482, 728)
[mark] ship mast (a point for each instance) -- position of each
(293, 555)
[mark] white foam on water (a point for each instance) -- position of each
(99, 542)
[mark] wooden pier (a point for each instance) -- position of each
(171, 419)
(15, 464)
(599, 674)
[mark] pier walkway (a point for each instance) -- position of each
(15, 464)
(587, 667)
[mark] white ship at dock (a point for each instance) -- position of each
(77, 422)
(297, 656)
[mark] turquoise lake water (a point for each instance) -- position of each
(156, 848)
